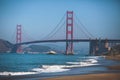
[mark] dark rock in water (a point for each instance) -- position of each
(5, 46)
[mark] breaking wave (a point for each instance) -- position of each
(16, 73)
(56, 68)
(62, 68)
(51, 68)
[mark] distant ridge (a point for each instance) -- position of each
(37, 48)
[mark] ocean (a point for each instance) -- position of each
(39, 66)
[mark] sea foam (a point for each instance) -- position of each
(16, 73)
(88, 62)
(50, 69)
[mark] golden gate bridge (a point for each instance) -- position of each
(69, 35)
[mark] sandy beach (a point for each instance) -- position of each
(113, 57)
(105, 76)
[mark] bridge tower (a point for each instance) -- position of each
(19, 37)
(69, 32)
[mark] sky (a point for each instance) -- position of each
(39, 17)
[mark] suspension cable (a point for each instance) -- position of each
(57, 29)
(57, 26)
(77, 25)
(83, 26)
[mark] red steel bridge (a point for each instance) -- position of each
(70, 33)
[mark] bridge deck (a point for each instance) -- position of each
(73, 40)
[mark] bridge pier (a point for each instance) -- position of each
(19, 37)
(69, 32)
(15, 48)
(93, 47)
(98, 46)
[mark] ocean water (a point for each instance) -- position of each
(44, 65)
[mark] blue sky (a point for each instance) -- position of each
(39, 17)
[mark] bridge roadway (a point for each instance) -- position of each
(73, 40)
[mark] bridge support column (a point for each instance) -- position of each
(15, 48)
(104, 46)
(19, 37)
(93, 47)
(69, 32)
(98, 47)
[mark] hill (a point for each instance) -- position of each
(37, 48)
(5, 46)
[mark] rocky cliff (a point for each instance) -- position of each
(115, 50)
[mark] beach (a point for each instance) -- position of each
(99, 76)
(104, 76)
(113, 57)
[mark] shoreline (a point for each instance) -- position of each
(114, 74)
(113, 57)
(98, 76)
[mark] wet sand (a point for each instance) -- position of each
(113, 57)
(104, 76)
(116, 67)
(99, 76)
